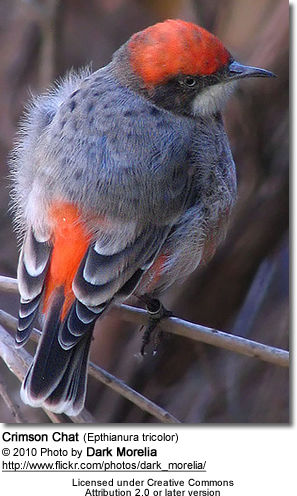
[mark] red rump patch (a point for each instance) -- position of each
(175, 47)
(70, 242)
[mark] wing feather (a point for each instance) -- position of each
(32, 269)
(113, 277)
(100, 277)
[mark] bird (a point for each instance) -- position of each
(123, 183)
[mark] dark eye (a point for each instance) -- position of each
(190, 81)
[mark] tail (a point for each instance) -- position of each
(57, 377)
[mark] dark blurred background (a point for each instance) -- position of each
(245, 287)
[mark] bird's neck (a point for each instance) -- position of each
(122, 70)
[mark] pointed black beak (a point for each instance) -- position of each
(240, 71)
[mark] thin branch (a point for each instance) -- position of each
(196, 332)
(54, 417)
(18, 362)
(131, 395)
(103, 376)
(210, 336)
(8, 284)
(12, 407)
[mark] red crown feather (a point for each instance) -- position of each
(175, 47)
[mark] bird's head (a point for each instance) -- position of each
(182, 67)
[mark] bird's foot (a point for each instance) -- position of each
(156, 312)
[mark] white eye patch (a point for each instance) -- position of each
(213, 98)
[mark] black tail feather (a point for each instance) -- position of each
(27, 313)
(57, 377)
(69, 395)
